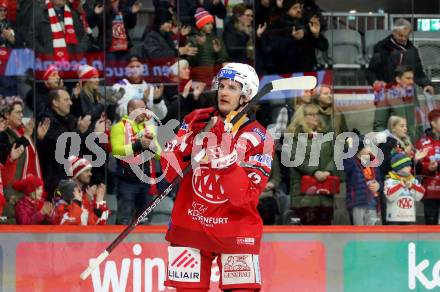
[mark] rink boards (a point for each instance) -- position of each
(295, 258)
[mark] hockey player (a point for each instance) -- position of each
(215, 213)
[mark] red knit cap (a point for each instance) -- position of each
(86, 72)
(4, 4)
(203, 17)
(49, 71)
(78, 165)
(28, 185)
(433, 115)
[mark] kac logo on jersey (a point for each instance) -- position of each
(405, 203)
(207, 186)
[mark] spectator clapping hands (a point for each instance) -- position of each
(188, 50)
(315, 26)
(42, 128)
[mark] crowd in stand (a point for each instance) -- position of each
(42, 182)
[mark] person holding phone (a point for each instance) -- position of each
(290, 44)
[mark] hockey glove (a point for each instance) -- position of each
(198, 119)
(226, 153)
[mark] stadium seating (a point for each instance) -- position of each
(428, 44)
(345, 50)
(372, 37)
(136, 37)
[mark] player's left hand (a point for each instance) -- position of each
(227, 151)
(221, 156)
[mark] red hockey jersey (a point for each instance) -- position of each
(216, 209)
(431, 179)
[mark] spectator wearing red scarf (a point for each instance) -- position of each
(8, 162)
(20, 134)
(119, 19)
(57, 32)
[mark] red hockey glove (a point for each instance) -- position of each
(198, 119)
(226, 153)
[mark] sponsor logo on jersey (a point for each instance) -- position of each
(236, 264)
(238, 268)
(245, 241)
(197, 213)
(259, 133)
(184, 264)
(227, 73)
(264, 159)
(433, 187)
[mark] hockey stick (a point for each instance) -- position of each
(303, 82)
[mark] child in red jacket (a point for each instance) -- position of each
(74, 208)
(31, 209)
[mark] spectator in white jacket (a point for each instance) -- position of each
(135, 87)
(402, 191)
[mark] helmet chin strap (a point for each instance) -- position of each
(239, 103)
(236, 108)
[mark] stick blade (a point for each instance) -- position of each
(293, 83)
(84, 275)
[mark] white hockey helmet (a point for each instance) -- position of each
(243, 74)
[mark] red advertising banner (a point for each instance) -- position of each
(42, 266)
